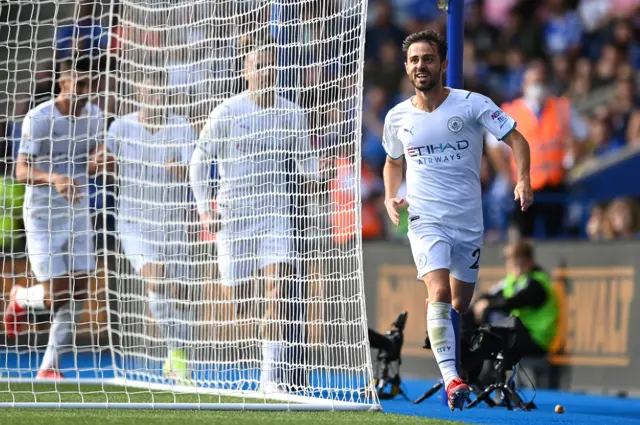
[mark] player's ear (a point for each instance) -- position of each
(445, 65)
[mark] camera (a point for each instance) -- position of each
(389, 359)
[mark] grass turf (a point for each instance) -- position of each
(138, 417)
(11, 392)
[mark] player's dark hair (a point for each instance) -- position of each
(430, 37)
(75, 63)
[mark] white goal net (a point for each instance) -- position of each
(181, 204)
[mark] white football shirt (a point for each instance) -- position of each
(254, 149)
(148, 191)
(60, 144)
(443, 151)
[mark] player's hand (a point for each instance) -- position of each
(102, 161)
(178, 170)
(393, 205)
(210, 221)
(67, 188)
(524, 194)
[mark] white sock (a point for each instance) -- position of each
(31, 297)
(271, 351)
(61, 333)
(164, 314)
(443, 340)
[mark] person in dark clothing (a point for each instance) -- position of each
(527, 293)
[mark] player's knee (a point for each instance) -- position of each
(461, 304)
(439, 293)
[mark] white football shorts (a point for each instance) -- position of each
(439, 247)
(168, 245)
(60, 245)
(242, 252)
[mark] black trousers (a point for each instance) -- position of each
(548, 206)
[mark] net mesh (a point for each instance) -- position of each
(273, 300)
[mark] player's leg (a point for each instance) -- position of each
(432, 249)
(276, 283)
(69, 293)
(47, 258)
(178, 275)
(65, 317)
(465, 264)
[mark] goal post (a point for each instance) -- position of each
(267, 312)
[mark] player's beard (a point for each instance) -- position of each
(429, 84)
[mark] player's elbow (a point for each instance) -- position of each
(393, 163)
(516, 140)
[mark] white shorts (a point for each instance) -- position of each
(143, 244)
(59, 246)
(438, 247)
(242, 253)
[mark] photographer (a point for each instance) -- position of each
(526, 292)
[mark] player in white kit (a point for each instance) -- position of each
(60, 149)
(439, 132)
(253, 137)
(153, 148)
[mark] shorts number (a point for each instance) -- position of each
(476, 255)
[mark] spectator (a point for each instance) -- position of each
(605, 70)
(523, 33)
(562, 74)
(481, 33)
(382, 30)
(621, 220)
(595, 224)
(623, 106)
(375, 109)
(581, 82)
(601, 138)
(388, 70)
(555, 132)
(563, 30)
(624, 39)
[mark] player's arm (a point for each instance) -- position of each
(522, 155)
(503, 127)
(205, 152)
(307, 160)
(179, 167)
(101, 160)
(34, 132)
(393, 171)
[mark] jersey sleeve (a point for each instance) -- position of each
(306, 159)
(214, 131)
(98, 134)
(190, 140)
(491, 116)
(34, 131)
(392, 145)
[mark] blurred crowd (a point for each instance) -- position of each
(587, 51)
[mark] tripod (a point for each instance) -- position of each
(431, 391)
(510, 397)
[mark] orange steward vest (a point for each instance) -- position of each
(547, 136)
(342, 198)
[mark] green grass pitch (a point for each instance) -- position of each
(99, 394)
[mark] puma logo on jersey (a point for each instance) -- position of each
(408, 130)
